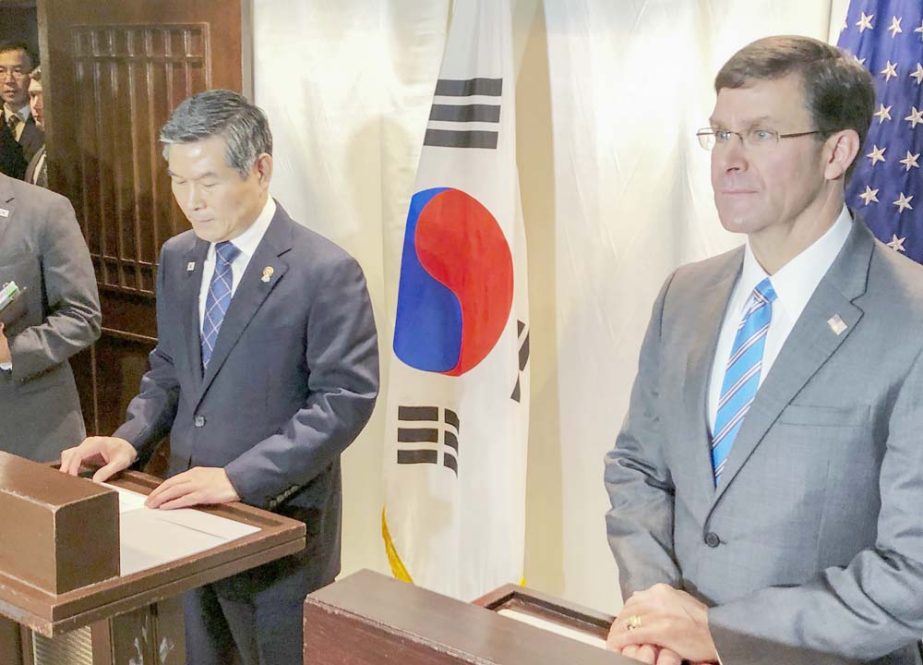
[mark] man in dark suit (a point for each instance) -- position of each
(37, 170)
(43, 251)
(20, 137)
(266, 368)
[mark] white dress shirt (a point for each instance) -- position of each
(23, 114)
(247, 243)
(794, 284)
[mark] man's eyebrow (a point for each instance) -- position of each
(750, 123)
(207, 174)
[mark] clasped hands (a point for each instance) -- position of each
(197, 486)
(663, 626)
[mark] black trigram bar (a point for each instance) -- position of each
(448, 138)
(516, 395)
(417, 435)
(451, 418)
(468, 87)
(465, 113)
(417, 457)
(430, 413)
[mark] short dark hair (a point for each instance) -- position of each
(221, 113)
(20, 46)
(839, 93)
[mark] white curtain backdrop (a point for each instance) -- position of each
(615, 195)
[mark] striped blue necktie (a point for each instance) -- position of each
(742, 376)
(218, 298)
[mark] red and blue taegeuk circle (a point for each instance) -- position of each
(456, 284)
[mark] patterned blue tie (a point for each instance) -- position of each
(218, 298)
(742, 376)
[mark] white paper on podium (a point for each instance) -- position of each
(150, 537)
(556, 628)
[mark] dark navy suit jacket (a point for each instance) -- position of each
(292, 381)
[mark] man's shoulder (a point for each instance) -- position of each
(316, 251)
(895, 280)
(27, 195)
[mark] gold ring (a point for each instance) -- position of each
(634, 622)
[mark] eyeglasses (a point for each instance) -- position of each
(17, 74)
(751, 138)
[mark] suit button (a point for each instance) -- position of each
(712, 539)
(200, 421)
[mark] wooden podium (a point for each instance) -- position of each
(368, 618)
(61, 590)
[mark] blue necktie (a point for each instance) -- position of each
(218, 298)
(742, 375)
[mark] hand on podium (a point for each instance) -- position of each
(111, 454)
(663, 623)
(199, 485)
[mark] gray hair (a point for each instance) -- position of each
(221, 113)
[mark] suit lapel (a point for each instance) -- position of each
(263, 272)
(190, 287)
(709, 314)
(7, 206)
(810, 344)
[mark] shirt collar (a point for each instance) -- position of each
(248, 241)
(795, 282)
(23, 112)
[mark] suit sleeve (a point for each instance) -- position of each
(73, 316)
(150, 414)
(640, 487)
(342, 357)
(872, 606)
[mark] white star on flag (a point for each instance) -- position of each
(895, 26)
(910, 161)
(889, 71)
(920, 30)
(897, 244)
(869, 195)
(903, 203)
(865, 22)
(877, 154)
(883, 113)
(918, 74)
(915, 117)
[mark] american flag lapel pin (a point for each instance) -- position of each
(837, 325)
(190, 266)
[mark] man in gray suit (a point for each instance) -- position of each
(265, 370)
(57, 315)
(767, 483)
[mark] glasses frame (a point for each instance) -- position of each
(707, 135)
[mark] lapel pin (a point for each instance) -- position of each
(190, 266)
(837, 325)
(267, 274)
(4, 212)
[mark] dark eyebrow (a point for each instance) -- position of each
(754, 121)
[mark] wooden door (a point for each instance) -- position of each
(113, 71)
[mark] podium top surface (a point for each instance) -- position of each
(369, 618)
(51, 614)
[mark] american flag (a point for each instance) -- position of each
(886, 189)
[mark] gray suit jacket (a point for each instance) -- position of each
(291, 382)
(42, 249)
(813, 542)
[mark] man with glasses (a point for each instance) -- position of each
(767, 483)
(20, 137)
